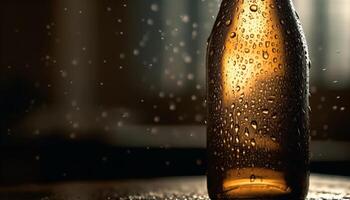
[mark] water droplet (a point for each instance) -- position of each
(254, 124)
(253, 8)
(265, 111)
(265, 55)
(274, 116)
(233, 35)
(267, 44)
(156, 119)
(271, 99)
(252, 178)
(228, 22)
(236, 128)
(252, 142)
(246, 132)
(172, 107)
(238, 88)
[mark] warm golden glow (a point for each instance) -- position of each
(253, 53)
(263, 182)
(252, 49)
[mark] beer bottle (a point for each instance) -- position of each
(258, 107)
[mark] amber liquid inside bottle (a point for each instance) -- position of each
(258, 108)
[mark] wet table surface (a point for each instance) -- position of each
(175, 188)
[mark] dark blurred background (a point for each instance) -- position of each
(111, 89)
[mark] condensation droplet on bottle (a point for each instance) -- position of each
(246, 132)
(211, 53)
(267, 44)
(233, 35)
(254, 124)
(271, 99)
(252, 178)
(265, 55)
(238, 88)
(253, 8)
(246, 105)
(265, 111)
(236, 128)
(228, 22)
(252, 142)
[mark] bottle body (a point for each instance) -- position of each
(258, 107)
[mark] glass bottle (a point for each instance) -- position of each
(258, 102)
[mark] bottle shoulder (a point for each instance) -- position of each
(257, 17)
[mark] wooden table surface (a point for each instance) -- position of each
(174, 188)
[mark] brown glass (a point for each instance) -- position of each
(258, 107)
